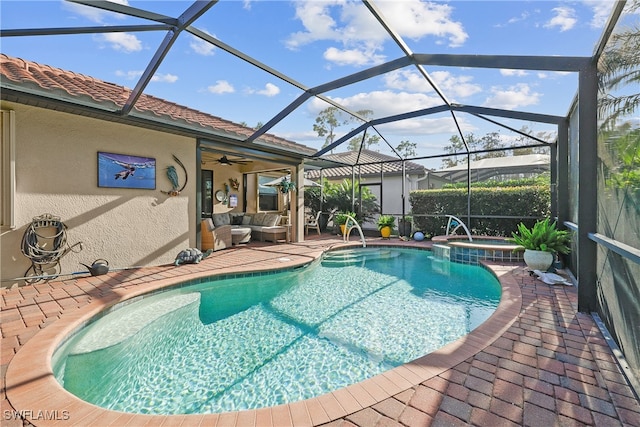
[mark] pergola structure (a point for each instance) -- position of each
(584, 66)
(187, 23)
(579, 123)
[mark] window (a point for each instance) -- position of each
(206, 193)
(267, 195)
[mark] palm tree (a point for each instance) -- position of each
(619, 68)
(618, 75)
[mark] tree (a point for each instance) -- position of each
(407, 149)
(256, 127)
(456, 148)
(618, 99)
(331, 118)
(339, 196)
(356, 141)
(491, 141)
(523, 140)
(619, 67)
(326, 122)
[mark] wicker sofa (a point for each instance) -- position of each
(213, 237)
(264, 226)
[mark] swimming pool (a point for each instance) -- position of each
(261, 345)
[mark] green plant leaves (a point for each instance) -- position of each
(543, 236)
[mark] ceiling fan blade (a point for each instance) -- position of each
(226, 161)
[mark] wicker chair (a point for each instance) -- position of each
(215, 238)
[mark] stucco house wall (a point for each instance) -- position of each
(56, 173)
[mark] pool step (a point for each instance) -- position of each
(116, 327)
(349, 257)
(441, 252)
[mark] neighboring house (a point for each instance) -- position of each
(54, 124)
(382, 174)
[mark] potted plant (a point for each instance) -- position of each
(385, 225)
(541, 243)
(341, 219)
(286, 185)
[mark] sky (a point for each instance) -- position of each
(315, 42)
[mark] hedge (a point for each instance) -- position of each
(519, 202)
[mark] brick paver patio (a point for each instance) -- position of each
(550, 367)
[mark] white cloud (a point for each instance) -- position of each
(129, 75)
(351, 57)
(158, 78)
(359, 34)
(512, 97)
(94, 14)
(382, 103)
(419, 127)
(553, 74)
(601, 11)
(458, 86)
(316, 19)
(202, 47)
(452, 85)
(221, 86)
(523, 16)
(510, 73)
(564, 19)
(269, 90)
(164, 78)
(416, 19)
(124, 42)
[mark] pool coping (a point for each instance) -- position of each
(31, 369)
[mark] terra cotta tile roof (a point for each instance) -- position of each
(369, 163)
(58, 84)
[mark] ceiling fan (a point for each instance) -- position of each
(224, 160)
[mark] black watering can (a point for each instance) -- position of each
(98, 268)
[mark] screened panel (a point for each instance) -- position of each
(619, 185)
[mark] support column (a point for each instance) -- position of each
(297, 208)
(587, 188)
(198, 221)
(562, 173)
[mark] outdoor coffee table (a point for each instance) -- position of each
(279, 232)
(240, 235)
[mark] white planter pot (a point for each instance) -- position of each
(538, 260)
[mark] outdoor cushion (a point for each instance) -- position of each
(257, 219)
(221, 219)
(271, 220)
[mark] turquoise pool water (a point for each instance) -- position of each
(264, 340)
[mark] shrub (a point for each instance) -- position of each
(430, 207)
